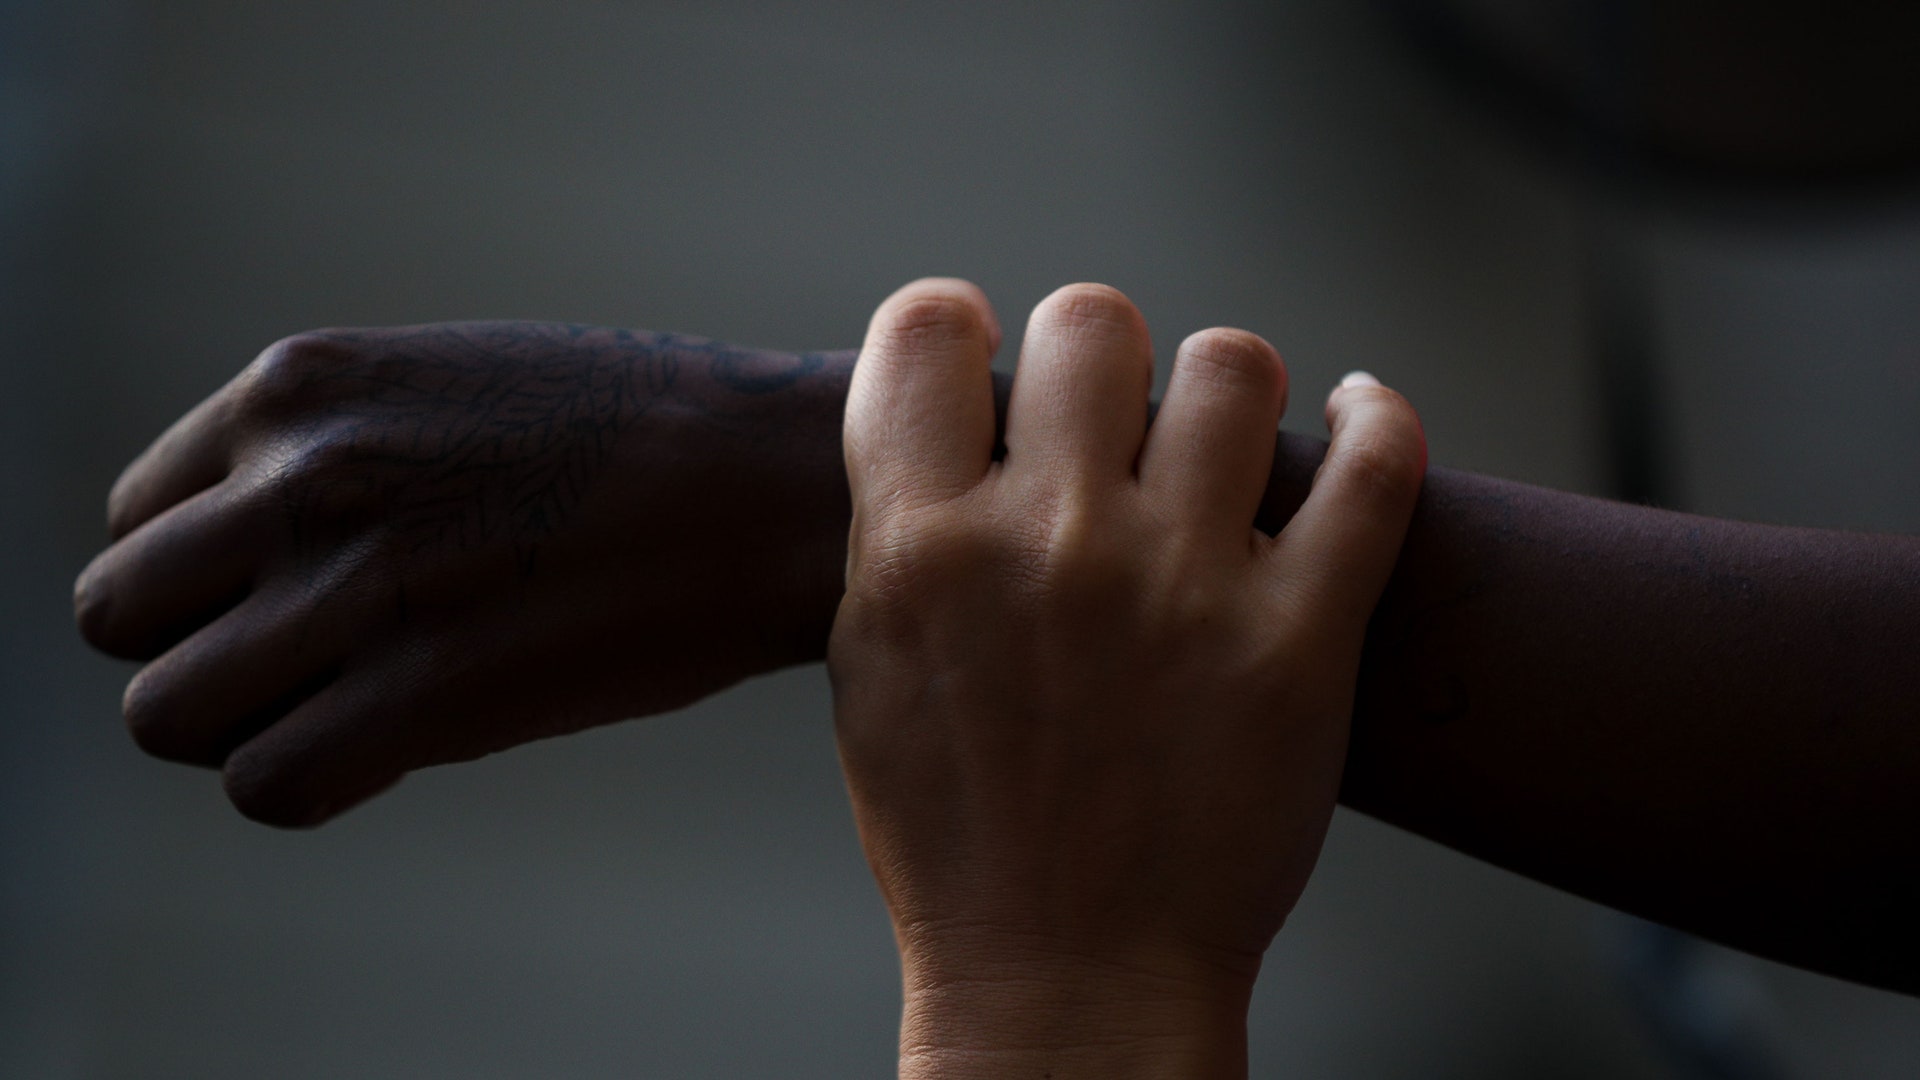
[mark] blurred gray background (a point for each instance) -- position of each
(182, 183)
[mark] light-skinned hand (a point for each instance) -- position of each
(1092, 720)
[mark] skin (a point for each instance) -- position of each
(1092, 720)
(375, 551)
(378, 550)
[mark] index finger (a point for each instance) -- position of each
(920, 418)
(189, 457)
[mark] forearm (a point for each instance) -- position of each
(1707, 723)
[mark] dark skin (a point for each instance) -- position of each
(381, 550)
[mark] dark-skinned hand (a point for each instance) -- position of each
(378, 550)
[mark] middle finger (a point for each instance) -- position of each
(1079, 406)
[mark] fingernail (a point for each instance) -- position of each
(1358, 378)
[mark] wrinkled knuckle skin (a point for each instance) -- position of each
(320, 478)
(906, 573)
(885, 585)
(1384, 466)
(1089, 306)
(318, 455)
(1233, 361)
(898, 562)
(932, 319)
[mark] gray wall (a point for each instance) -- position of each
(185, 182)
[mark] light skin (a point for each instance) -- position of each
(375, 551)
(1093, 720)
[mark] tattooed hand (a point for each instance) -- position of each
(377, 550)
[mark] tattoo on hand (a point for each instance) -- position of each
(463, 434)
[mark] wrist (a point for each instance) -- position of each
(1047, 1015)
(822, 509)
(790, 408)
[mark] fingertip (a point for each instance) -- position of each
(144, 707)
(257, 785)
(1090, 303)
(1210, 450)
(266, 784)
(105, 625)
(937, 308)
(119, 515)
(90, 604)
(920, 409)
(1230, 337)
(1077, 415)
(1234, 359)
(1362, 389)
(1349, 383)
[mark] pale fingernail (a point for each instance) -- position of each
(1358, 378)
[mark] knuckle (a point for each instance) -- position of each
(1088, 306)
(1189, 609)
(914, 562)
(1074, 544)
(1084, 562)
(932, 317)
(901, 559)
(1382, 465)
(320, 492)
(315, 465)
(322, 454)
(1232, 360)
(284, 373)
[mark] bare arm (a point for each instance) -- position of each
(381, 550)
(1711, 724)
